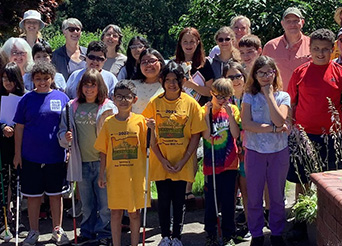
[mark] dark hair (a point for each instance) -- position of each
(41, 47)
(131, 63)
(150, 51)
(198, 59)
(177, 69)
(324, 35)
(250, 40)
(43, 68)
(117, 30)
(252, 85)
(97, 46)
(13, 74)
(126, 84)
(94, 77)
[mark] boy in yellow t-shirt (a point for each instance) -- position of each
(122, 143)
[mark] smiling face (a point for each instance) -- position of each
(224, 41)
(240, 29)
(320, 51)
(124, 99)
(111, 38)
(249, 55)
(189, 44)
(292, 24)
(42, 56)
(238, 80)
(150, 67)
(265, 75)
(72, 33)
(96, 60)
(18, 56)
(42, 82)
(8, 85)
(90, 91)
(31, 26)
(171, 84)
(136, 48)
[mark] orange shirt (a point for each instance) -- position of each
(288, 58)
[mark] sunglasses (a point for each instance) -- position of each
(97, 58)
(150, 61)
(136, 46)
(72, 29)
(220, 40)
(220, 97)
(236, 76)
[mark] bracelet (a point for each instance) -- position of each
(274, 128)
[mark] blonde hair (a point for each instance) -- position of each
(241, 17)
(223, 87)
(230, 32)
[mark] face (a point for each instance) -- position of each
(18, 56)
(339, 43)
(90, 90)
(95, 59)
(171, 83)
(320, 51)
(189, 44)
(265, 75)
(224, 41)
(111, 38)
(42, 82)
(72, 33)
(124, 99)
(136, 48)
(237, 78)
(218, 100)
(249, 55)
(292, 24)
(240, 29)
(31, 26)
(150, 66)
(8, 85)
(42, 56)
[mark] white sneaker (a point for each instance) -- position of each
(5, 235)
(176, 242)
(165, 242)
(59, 236)
(31, 239)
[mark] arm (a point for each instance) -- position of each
(203, 90)
(249, 125)
(18, 140)
(64, 136)
(101, 180)
(155, 148)
(206, 133)
(234, 127)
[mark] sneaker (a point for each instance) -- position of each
(228, 242)
(211, 241)
(257, 241)
(165, 242)
(78, 210)
(22, 230)
(82, 240)
(59, 236)
(5, 235)
(176, 242)
(31, 239)
(277, 241)
(105, 242)
(243, 234)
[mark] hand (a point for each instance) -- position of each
(190, 83)
(101, 182)
(228, 107)
(151, 123)
(167, 166)
(267, 89)
(179, 166)
(282, 128)
(68, 136)
(8, 131)
(17, 161)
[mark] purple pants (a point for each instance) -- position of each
(271, 168)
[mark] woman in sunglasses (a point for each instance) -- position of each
(225, 39)
(70, 56)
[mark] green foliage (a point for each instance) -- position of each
(198, 185)
(305, 208)
(209, 15)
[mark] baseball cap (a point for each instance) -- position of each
(294, 11)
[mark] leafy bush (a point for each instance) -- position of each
(305, 208)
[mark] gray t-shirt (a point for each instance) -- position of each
(114, 65)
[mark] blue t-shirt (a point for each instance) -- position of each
(40, 114)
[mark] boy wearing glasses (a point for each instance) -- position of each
(309, 87)
(250, 49)
(122, 143)
(225, 132)
(95, 58)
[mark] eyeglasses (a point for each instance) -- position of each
(236, 76)
(89, 86)
(136, 46)
(97, 58)
(120, 98)
(267, 74)
(114, 35)
(150, 61)
(220, 97)
(72, 29)
(18, 53)
(223, 39)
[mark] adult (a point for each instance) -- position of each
(151, 63)
(95, 58)
(225, 39)
(19, 51)
(291, 49)
(112, 37)
(31, 25)
(70, 57)
(135, 46)
(338, 19)
(241, 26)
(338, 43)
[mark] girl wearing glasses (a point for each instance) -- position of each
(135, 46)
(112, 37)
(87, 114)
(151, 62)
(264, 111)
(225, 39)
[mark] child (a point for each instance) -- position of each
(250, 49)
(309, 87)
(179, 122)
(122, 143)
(37, 152)
(225, 132)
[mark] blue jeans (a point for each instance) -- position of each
(96, 215)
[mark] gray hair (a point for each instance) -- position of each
(71, 21)
(117, 30)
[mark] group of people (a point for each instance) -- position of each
(89, 115)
